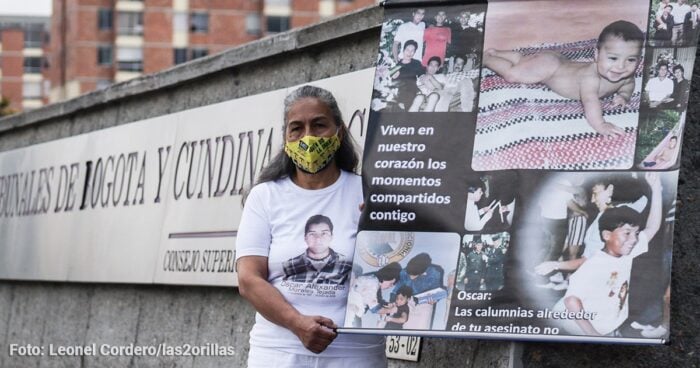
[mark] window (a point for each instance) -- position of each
(179, 56)
(252, 24)
(33, 38)
(104, 19)
(130, 23)
(33, 64)
(31, 90)
(130, 59)
(199, 22)
(277, 24)
(104, 55)
(198, 53)
(277, 2)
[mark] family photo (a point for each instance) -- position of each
(674, 23)
(429, 59)
(667, 80)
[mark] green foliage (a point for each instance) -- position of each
(652, 19)
(388, 32)
(5, 108)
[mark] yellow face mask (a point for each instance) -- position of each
(312, 154)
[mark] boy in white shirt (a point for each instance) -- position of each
(600, 286)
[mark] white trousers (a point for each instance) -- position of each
(260, 357)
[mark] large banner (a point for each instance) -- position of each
(153, 201)
(520, 170)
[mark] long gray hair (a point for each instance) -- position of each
(345, 158)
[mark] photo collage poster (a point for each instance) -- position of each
(520, 170)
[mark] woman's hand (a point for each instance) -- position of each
(315, 332)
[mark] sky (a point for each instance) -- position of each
(25, 7)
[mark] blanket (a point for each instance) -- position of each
(528, 126)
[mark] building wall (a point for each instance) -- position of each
(79, 314)
(23, 87)
(12, 66)
(76, 37)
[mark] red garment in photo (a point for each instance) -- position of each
(436, 40)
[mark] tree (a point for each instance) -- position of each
(5, 108)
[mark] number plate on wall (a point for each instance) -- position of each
(403, 347)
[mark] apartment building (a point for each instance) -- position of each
(100, 42)
(23, 61)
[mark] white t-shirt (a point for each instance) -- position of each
(272, 226)
(659, 89)
(602, 283)
(411, 31)
(679, 12)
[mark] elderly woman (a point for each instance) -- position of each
(297, 316)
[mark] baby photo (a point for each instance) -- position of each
(564, 100)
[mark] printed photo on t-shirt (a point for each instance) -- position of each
(319, 263)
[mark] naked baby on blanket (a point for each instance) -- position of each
(616, 58)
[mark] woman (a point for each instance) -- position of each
(281, 232)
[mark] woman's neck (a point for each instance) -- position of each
(322, 179)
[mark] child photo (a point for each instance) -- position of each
(659, 141)
(619, 271)
(402, 280)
